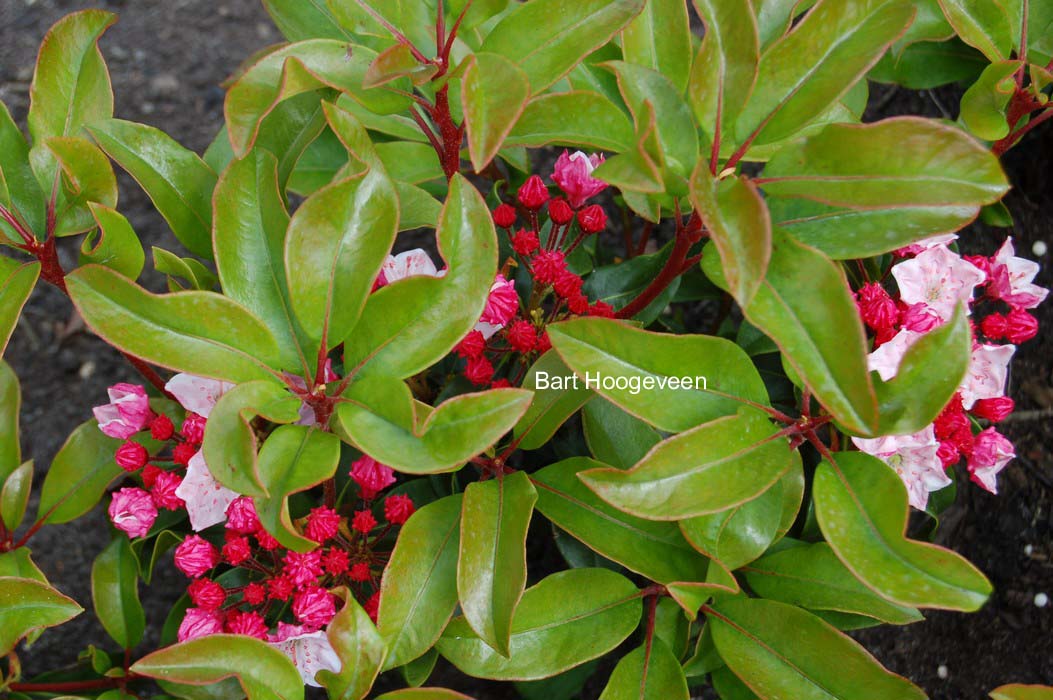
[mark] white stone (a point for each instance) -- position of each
(1041, 600)
(1039, 248)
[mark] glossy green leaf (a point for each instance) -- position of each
(87, 176)
(15, 289)
(861, 506)
(652, 549)
(711, 468)
(491, 565)
(294, 458)
(929, 64)
(805, 306)
(672, 626)
(18, 564)
(230, 442)
(808, 69)
(660, 39)
(983, 108)
(397, 61)
(558, 394)
(1040, 32)
(547, 38)
(1017, 691)
(729, 686)
(984, 24)
(577, 119)
(658, 369)
(459, 429)
(27, 605)
(79, 475)
(10, 405)
(793, 484)
(115, 245)
(811, 576)
(423, 694)
(409, 325)
(14, 497)
(189, 270)
(359, 647)
(409, 162)
(649, 672)
(304, 19)
(739, 534)
(928, 376)
(249, 227)
(197, 332)
(555, 627)
(419, 588)
(19, 190)
(115, 593)
(178, 182)
(737, 218)
(619, 283)
(614, 436)
(263, 672)
(782, 651)
(494, 91)
(417, 672)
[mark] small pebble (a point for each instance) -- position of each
(1028, 549)
(942, 672)
(1039, 248)
(86, 370)
(1041, 600)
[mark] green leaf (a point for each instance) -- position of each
(805, 306)
(18, 564)
(618, 284)
(1017, 691)
(14, 497)
(861, 506)
(423, 694)
(547, 38)
(115, 593)
(739, 534)
(27, 605)
(19, 190)
(190, 270)
(658, 369)
(117, 246)
(660, 39)
(178, 182)
(929, 64)
(984, 24)
(200, 333)
(928, 377)
(811, 576)
(79, 475)
(652, 549)
(672, 626)
(491, 565)
(983, 108)
(810, 68)
(649, 672)
(18, 283)
(417, 672)
(263, 672)
(408, 326)
(738, 221)
(728, 685)
(494, 91)
(457, 430)
(557, 396)
(705, 470)
(10, 405)
(614, 436)
(565, 620)
(397, 61)
(304, 19)
(230, 442)
(576, 119)
(293, 459)
(87, 177)
(359, 647)
(419, 588)
(409, 162)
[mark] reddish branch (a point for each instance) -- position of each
(687, 235)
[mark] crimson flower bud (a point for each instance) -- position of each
(994, 410)
(601, 309)
(1020, 326)
(876, 307)
(522, 336)
(183, 453)
(131, 456)
(525, 242)
(549, 265)
(505, 215)
(560, 212)
(993, 326)
(363, 522)
(161, 428)
(359, 572)
(592, 219)
(479, 371)
(472, 345)
(398, 508)
(533, 194)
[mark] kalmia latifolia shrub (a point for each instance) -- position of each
(711, 353)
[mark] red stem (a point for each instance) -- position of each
(1008, 142)
(677, 264)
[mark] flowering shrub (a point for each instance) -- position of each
(345, 439)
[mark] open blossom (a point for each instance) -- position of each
(197, 394)
(573, 174)
(411, 263)
(1012, 279)
(923, 245)
(127, 413)
(988, 369)
(991, 452)
(199, 623)
(887, 358)
(195, 555)
(206, 499)
(371, 476)
(133, 511)
(314, 606)
(310, 651)
(938, 278)
(914, 458)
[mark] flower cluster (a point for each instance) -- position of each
(932, 282)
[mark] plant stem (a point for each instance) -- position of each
(676, 265)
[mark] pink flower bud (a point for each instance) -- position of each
(127, 413)
(254, 593)
(399, 508)
(525, 242)
(601, 309)
(991, 452)
(161, 428)
(372, 606)
(521, 336)
(241, 516)
(237, 549)
(363, 522)
(505, 215)
(131, 456)
(472, 345)
(371, 476)
(335, 561)
(502, 304)
(592, 219)
(876, 307)
(195, 555)
(314, 606)
(303, 568)
(194, 428)
(994, 410)
(548, 266)
(567, 285)
(164, 491)
(919, 318)
(360, 572)
(533, 194)
(573, 174)
(560, 212)
(1020, 326)
(206, 594)
(948, 453)
(993, 326)
(250, 624)
(479, 371)
(322, 524)
(199, 623)
(133, 511)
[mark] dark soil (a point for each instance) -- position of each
(167, 58)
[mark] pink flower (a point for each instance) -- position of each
(876, 307)
(199, 623)
(991, 452)
(412, 263)
(925, 244)
(988, 368)
(127, 413)
(133, 511)
(887, 358)
(241, 516)
(919, 318)
(303, 568)
(939, 278)
(164, 491)
(250, 624)
(322, 524)
(197, 394)
(1011, 279)
(398, 508)
(573, 174)
(371, 476)
(502, 303)
(314, 606)
(206, 499)
(195, 555)
(310, 651)
(914, 458)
